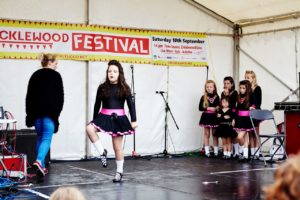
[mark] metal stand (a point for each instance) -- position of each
(167, 109)
(134, 153)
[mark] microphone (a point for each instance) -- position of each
(131, 66)
(160, 92)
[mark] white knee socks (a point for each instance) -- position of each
(120, 164)
(206, 148)
(98, 146)
(236, 148)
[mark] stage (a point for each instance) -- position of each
(189, 177)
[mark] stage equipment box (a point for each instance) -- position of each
(26, 144)
(13, 165)
(292, 129)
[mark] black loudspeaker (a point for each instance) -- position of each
(25, 143)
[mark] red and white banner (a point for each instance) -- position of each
(26, 40)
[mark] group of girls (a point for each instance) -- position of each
(229, 119)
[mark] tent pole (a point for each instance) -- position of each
(296, 61)
(87, 86)
(207, 72)
(236, 54)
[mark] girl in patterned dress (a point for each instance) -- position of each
(209, 104)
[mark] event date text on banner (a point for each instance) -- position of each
(175, 50)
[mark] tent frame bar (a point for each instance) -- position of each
(269, 19)
(264, 68)
(210, 12)
(272, 31)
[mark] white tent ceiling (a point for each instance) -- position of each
(245, 11)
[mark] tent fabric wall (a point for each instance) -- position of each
(69, 142)
(70, 11)
(164, 15)
(276, 51)
(184, 85)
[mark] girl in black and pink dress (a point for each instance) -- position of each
(257, 96)
(229, 90)
(111, 119)
(225, 129)
(209, 103)
(243, 125)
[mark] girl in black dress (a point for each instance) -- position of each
(257, 96)
(225, 129)
(243, 125)
(229, 90)
(209, 104)
(111, 119)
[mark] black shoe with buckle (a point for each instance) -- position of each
(103, 158)
(118, 177)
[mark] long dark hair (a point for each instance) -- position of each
(123, 88)
(248, 92)
(230, 79)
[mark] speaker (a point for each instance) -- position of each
(292, 131)
(25, 143)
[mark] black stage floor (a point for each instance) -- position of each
(174, 178)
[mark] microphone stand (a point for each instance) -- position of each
(134, 153)
(167, 109)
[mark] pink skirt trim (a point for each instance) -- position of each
(119, 112)
(111, 133)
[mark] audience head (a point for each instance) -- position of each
(287, 181)
(67, 193)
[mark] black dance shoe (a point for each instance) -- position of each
(118, 177)
(103, 158)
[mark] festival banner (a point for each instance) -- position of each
(174, 49)
(27, 40)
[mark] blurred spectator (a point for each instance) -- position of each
(67, 193)
(287, 181)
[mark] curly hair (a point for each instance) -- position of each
(123, 88)
(287, 181)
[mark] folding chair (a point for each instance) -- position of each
(264, 115)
